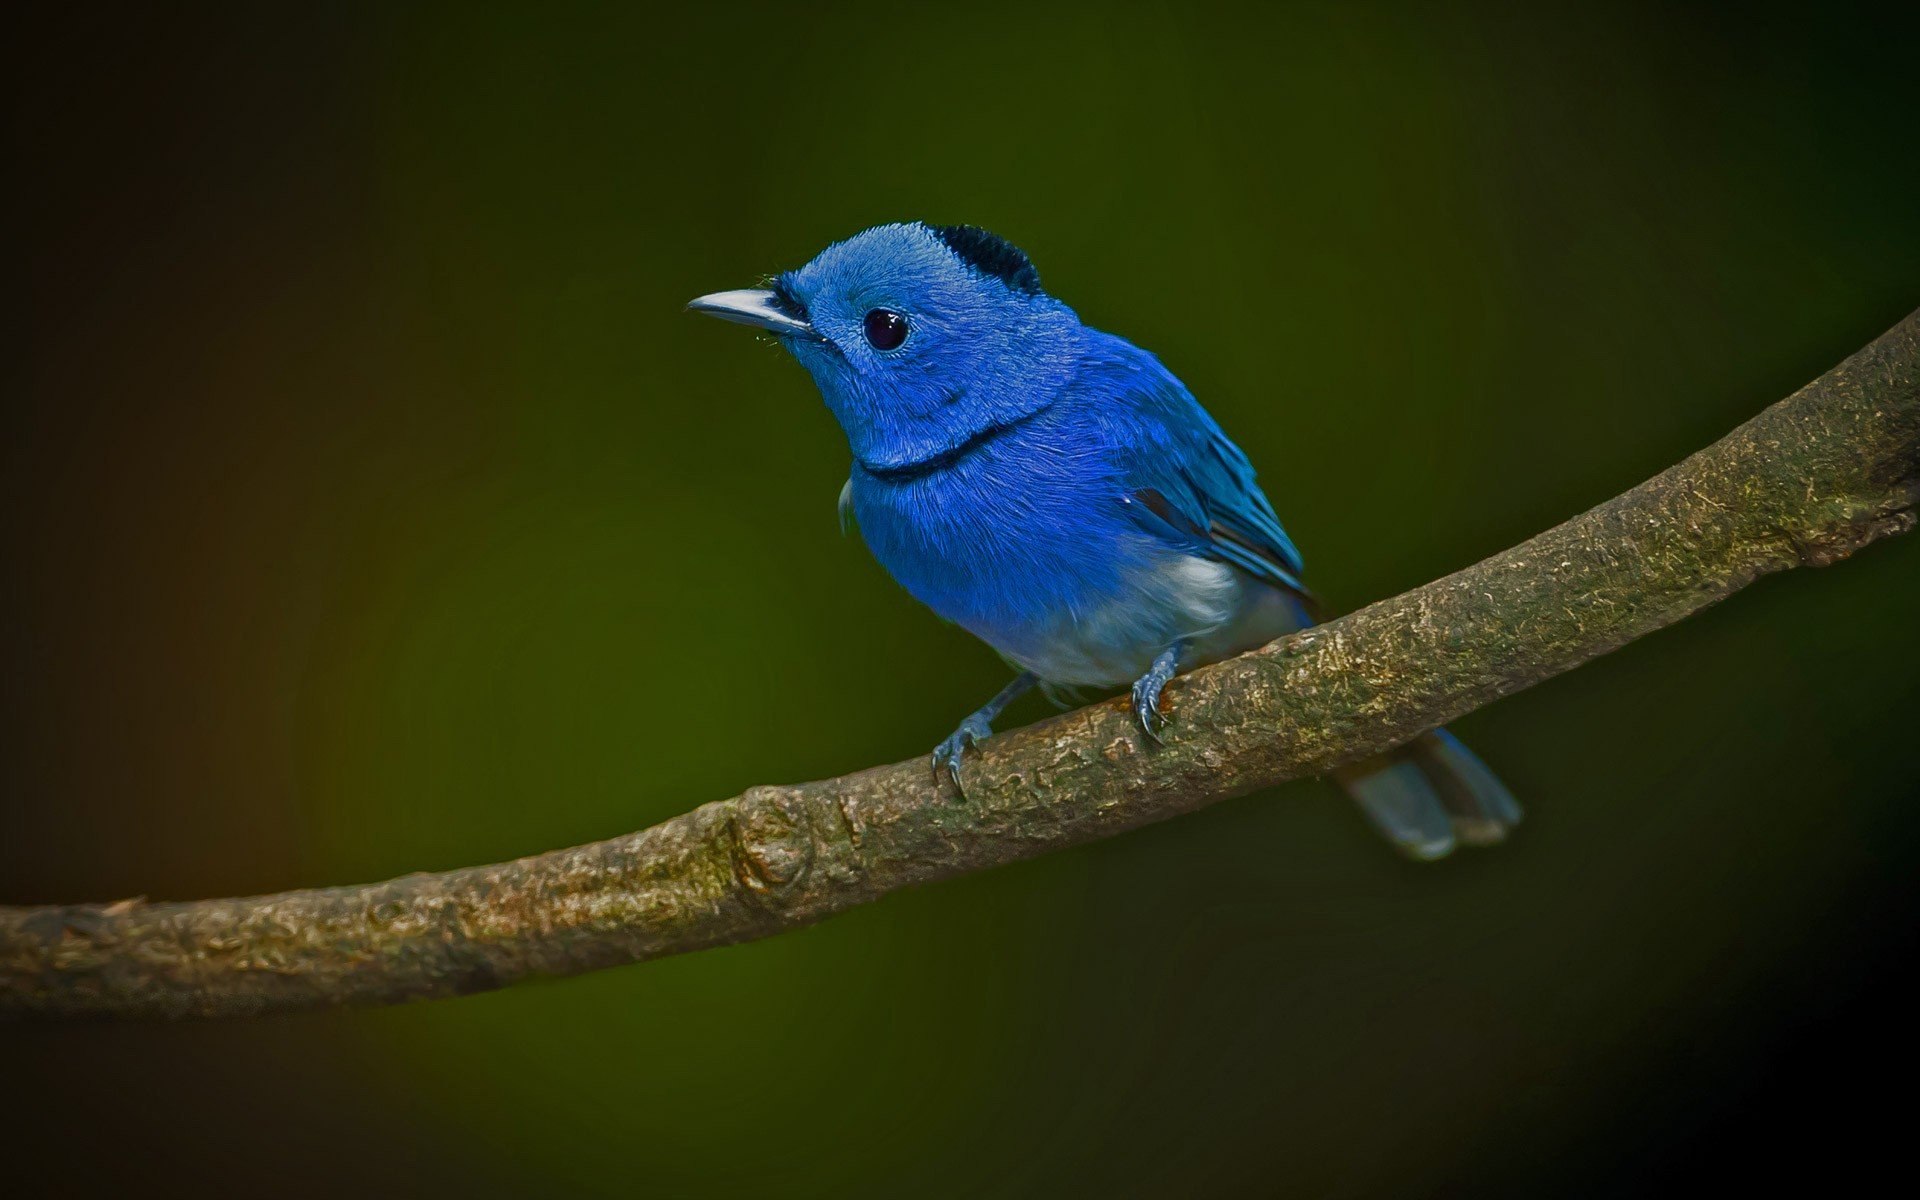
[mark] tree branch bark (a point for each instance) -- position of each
(1806, 483)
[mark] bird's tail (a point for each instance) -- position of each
(1430, 795)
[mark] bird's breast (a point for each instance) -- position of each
(1001, 539)
(1033, 553)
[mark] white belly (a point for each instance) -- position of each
(1213, 607)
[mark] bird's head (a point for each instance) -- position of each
(920, 337)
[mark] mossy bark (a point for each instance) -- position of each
(1806, 483)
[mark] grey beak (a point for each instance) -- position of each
(751, 306)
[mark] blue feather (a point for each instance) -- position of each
(1059, 493)
(1190, 482)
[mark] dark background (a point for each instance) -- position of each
(371, 506)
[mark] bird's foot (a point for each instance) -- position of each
(976, 728)
(947, 755)
(1147, 689)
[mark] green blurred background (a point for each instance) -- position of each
(371, 506)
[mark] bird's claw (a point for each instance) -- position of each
(947, 754)
(1146, 706)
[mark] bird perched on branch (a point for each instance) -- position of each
(1057, 492)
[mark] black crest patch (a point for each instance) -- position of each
(990, 254)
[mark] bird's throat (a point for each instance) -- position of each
(981, 438)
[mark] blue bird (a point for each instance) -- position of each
(1058, 493)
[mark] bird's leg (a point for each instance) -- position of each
(1146, 689)
(977, 728)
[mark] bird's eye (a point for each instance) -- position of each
(886, 329)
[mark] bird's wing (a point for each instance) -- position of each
(1187, 482)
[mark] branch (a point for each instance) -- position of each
(1807, 482)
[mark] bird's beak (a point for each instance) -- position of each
(752, 306)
